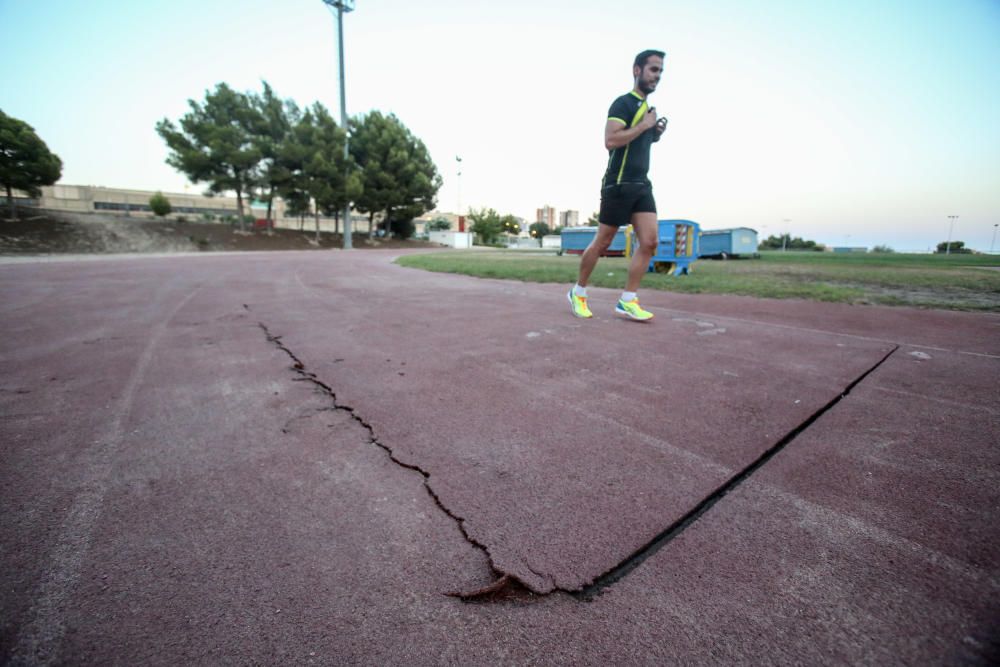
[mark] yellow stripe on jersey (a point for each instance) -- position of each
(635, 119)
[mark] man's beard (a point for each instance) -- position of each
(646, 88)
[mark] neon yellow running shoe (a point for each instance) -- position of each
(579, 304)
(632, 310)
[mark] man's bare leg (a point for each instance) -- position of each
(605, 235)
(645, 229)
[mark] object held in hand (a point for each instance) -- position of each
(662, 123)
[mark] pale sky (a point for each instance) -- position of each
(848, 122)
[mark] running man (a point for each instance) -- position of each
(626, 193)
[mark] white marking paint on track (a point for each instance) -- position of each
(828, 332)
(39, 640)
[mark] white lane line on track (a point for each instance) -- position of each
(38, 642)
(839, 333)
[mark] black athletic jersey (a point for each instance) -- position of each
(629, 163)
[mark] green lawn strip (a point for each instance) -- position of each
(885, 279)
(888, 260)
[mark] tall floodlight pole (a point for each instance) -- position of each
(343, 6)
(951, 226)
(459, 161)
(995, 225)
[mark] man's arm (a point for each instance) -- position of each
(617, 134)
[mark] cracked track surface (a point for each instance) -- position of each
(175, 492)
(564, 452)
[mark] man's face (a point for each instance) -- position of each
(649, 75)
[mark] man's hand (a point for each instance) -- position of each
(616, 134)
(649, 120)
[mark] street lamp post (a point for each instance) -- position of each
(995, 225)
(951, 226)
(343, 6)
(458, 160)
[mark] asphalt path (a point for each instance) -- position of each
(325, 458)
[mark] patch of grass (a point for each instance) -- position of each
(957, 282)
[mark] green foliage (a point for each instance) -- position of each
(593, 219)
(882, 249)
(332, 183)
(310, 166)
(399, 179)
(510, 225)
(217, 143)
(273, 123)
(297, 204)
(437, 225)
(486, 224)
(260, 145)
(786, 242)
(539, 229)
(160, 205)
(957, 248)
(26, 163)
(294, 153)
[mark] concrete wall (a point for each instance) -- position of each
(135, 203)
(453, 239)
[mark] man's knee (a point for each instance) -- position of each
(648, 245)
(603, 239)
(597, 246)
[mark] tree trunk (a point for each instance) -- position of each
(239, 208)
(317, 222)
(336, 222)
(270, 201)
(371, 221)
(10, 202)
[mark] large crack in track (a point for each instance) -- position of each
(508, 586)
(636, 559)
(505, 584)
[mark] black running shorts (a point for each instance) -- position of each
(619, 202)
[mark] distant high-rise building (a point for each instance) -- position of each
(569, 218)
(546, 214)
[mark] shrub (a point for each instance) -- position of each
(957, 248)
(539, 229)
(160, 205)
(883, 250)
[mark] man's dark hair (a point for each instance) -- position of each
(640, 60)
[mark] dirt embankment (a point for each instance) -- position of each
(38, 232)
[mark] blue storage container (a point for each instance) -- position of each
(677, 246)
(574, 240)
(728, 242)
